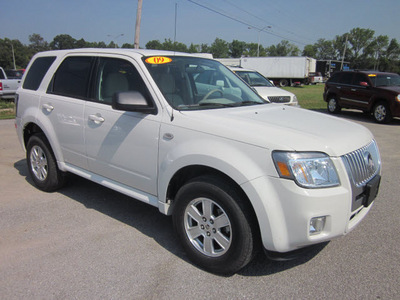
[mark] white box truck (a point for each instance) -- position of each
(283, 70)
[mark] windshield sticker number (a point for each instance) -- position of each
(158, 60)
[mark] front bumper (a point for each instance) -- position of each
(285, 210)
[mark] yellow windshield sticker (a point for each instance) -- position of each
(372, 75)
(158, 60)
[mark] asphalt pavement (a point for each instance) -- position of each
(88, 242)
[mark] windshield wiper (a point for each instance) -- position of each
(216, 104)
(249, 102)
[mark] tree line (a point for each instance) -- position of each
(360, 47)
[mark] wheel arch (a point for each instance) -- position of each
(187, 173)
(375, 100)
(32, 128)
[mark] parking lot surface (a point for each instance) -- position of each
(88, 242)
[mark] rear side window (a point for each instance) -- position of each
(72, 77)
(346, 78)
(37, 71)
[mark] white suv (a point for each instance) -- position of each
(232, 169)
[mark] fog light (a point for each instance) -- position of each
(317, 225)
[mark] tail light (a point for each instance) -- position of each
(1, 86)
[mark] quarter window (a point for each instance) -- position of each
(37, 72)
(72, 77)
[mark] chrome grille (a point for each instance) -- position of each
(363, 164)
(279, 99)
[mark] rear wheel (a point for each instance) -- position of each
(214, 225)
(333, 105)
(42, 164)
(382, 113)
(283, 82)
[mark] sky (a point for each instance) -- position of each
(198, 21)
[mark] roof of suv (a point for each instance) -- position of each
(126, 51)
(366, 72)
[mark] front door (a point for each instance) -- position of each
(121, 146)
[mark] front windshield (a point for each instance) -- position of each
(254, 78)
(385, 80)
(190, 83)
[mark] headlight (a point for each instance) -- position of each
(294, 101)
(398, 97)
(307, 169)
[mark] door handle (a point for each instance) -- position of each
(97, 118)
(48, 107)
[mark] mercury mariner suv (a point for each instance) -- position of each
(235, 171)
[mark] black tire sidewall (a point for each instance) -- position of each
(241, 249)
(55, 178)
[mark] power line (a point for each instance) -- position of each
(244, 22)
(264, 21)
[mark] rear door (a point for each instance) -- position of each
(121, 146)
(64, 103)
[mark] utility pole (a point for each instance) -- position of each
(344, 52)
(137, 28)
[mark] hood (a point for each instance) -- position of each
(271, 91)
(277, 127)
(394, 88)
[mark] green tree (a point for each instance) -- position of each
(204, 48)
(310, 51)
(37, 43)
(253, 48)
(324, 49)
(63, 41)
(154, 44)
(128, 46)
(219, 49)
(237, 48)
(359, 46)
(193, 48)
(284, 48)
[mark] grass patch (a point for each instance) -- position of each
(7, 110)
(309, 96)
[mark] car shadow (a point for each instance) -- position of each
(149, 221)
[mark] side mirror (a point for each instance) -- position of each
(364, 83)
(133, 101)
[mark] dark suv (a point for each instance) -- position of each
(370, 91)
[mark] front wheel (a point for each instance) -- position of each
(42, 164)
(382, 113)
(213, 223)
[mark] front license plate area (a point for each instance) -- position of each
(371, 190)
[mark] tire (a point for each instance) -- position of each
(382, 113)
(42, 164)
(283, 82)
(333, 106)
(214, 225)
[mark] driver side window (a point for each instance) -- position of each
(117, 75)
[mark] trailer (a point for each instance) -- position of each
(329, 66)
(283, 70)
